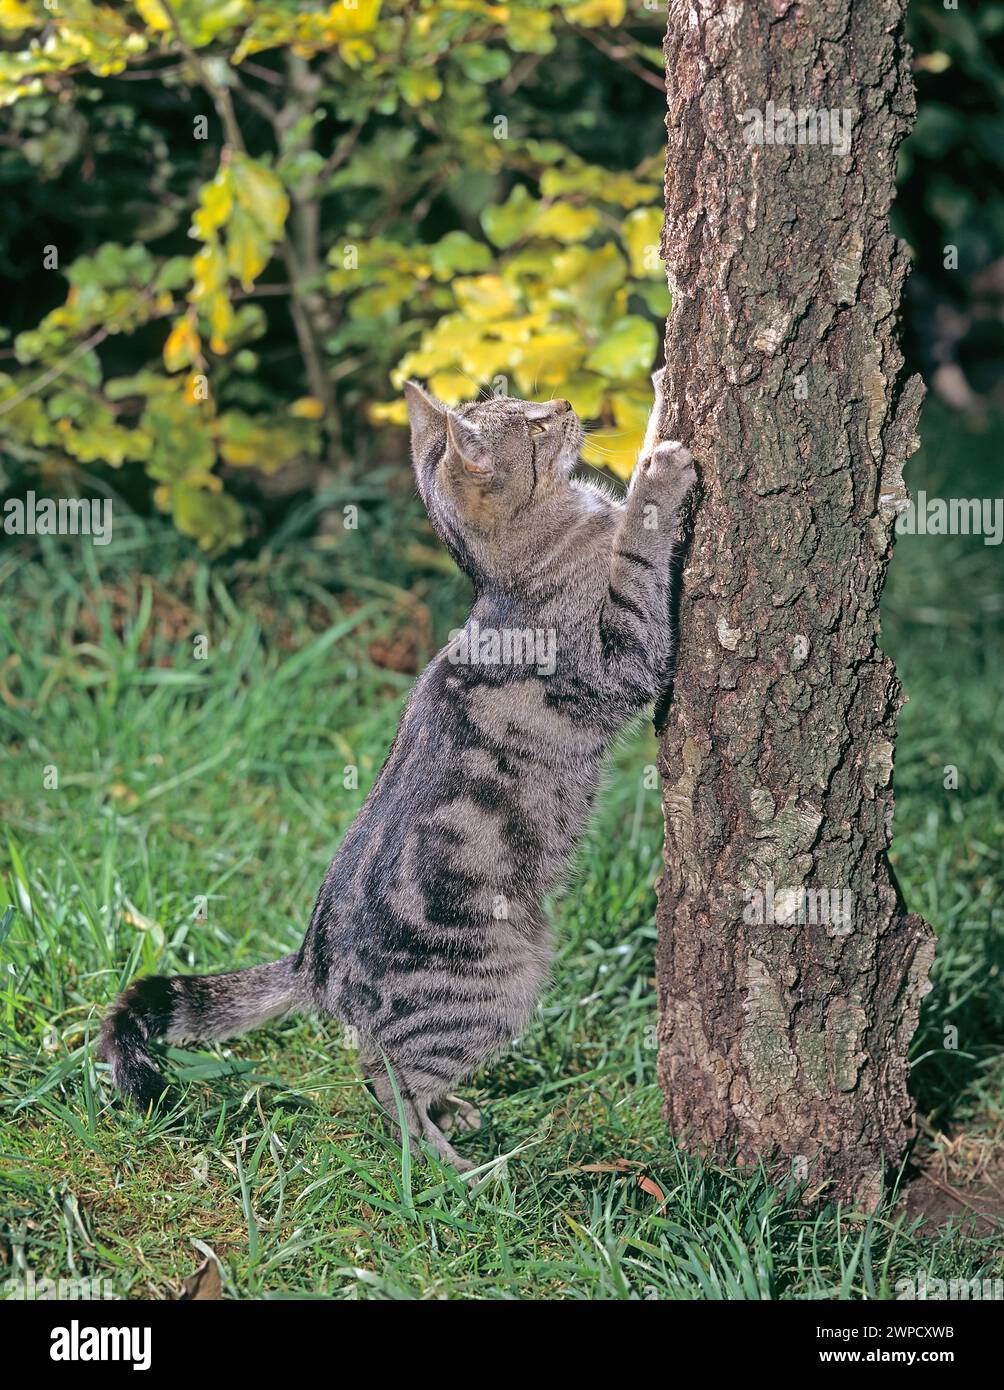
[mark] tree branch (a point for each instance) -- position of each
(55, 371)
(220, 96)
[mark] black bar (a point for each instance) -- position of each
(771, 1338)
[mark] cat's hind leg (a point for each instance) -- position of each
(416, 1101)
(450, 1112)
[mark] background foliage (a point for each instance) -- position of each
(248, 222)
(951, 200)
(232, 228)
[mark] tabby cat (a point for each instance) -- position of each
(429, 936)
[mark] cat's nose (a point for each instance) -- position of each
(562, 407)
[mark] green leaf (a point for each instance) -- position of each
(657, 299)
(212, 518)
(505, 223)
(260, 191)
(627, 350)
(482, 64)
(174, 274)
(458, 253)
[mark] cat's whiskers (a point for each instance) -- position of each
(601, 449)
(583, 463)
(480, 387)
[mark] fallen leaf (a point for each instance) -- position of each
(204, 1283)
(653, 1189)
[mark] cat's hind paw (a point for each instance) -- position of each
(454, 1113)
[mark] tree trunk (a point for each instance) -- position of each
(790, 973)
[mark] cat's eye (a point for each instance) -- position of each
(538, 429)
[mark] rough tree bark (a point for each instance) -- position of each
(784, 1038)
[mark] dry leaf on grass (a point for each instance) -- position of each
(204, 1283)
(653, 1189)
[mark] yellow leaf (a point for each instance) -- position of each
(932, 62)
(485, 297)
(566, 223)
(221, 321)
(641, 231)
(261, 193)
(531, 33)
(182, 346)
(195, 389)
(248, 252)
(592, 13)
(307, 408)
(388, 412)
(242, 442)
(590, 277)
(355, 52)
(153, 15)
(209, 270)
(519, 330)
(617, 449)
(631, 411)
(627, 191)
(343, 20)
(449, 334)
(381, 299)
(601, 185)
(548, 359)
(613, 449)
(441, 347)
(625, 350)
(482, 360)
(215, 201)
(214, 520)
(450, 387)
(14, 16)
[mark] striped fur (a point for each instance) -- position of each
(429, 935)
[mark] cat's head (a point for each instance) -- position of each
(491, 474)
(495, 456)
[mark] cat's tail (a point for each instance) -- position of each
(190, 1007)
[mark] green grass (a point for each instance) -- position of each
(198, 804)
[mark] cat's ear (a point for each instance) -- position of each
(427, 419)
(469, 448)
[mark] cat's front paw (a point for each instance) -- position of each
(671, 467)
